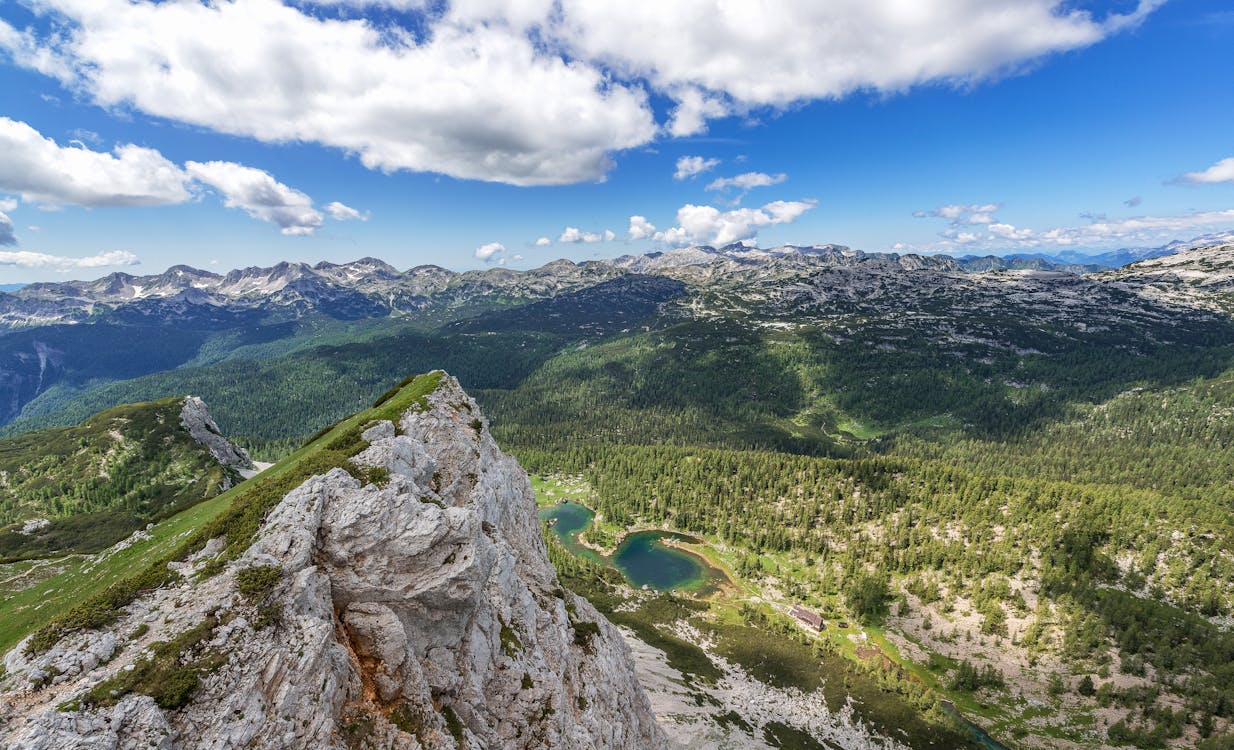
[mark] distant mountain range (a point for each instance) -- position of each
(1076, 261)
(371, 288)
(361, 289)
(62, 338)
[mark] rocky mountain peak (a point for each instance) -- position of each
(195, 418)
(403, 599)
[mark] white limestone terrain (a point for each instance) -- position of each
(418, 610)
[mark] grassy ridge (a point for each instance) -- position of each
(84, 577)
(88, 596)
(98, 481)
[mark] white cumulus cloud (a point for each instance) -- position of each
(6, 230)
(1140, 229)
(717, 57)
(1101, 232)
(41, 171)
(574, 234)
(491, 252)
(259, 195)
(962, 213)
(475, 100)
(543, 242)
(694, 108)
(708, 225)
(744, 183)
(1222, 171)
(532, 92)
(342, 212)
(640, 228)
(689, 166)
(28, 259)
(1009, 232)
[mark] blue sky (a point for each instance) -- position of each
(135, 136)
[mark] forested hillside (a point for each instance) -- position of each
(1018, 485)
(83, 488)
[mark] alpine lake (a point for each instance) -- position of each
(647, 559)
(651, 559)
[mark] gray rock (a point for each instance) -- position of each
(405, 613)
(34, 524)
(134, 722)
(75, 655)
(195, 418)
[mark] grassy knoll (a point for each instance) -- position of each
(95, 483)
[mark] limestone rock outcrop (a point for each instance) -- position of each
(415, 610)
(195, 418)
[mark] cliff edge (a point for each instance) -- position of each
(401, 600)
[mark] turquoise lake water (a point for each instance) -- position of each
(642, 557)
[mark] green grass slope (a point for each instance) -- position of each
(89, 591)
(98, 481)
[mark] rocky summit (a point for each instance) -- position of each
(403, 599)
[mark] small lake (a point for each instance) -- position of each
(642, 557)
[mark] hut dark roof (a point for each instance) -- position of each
(806, 616)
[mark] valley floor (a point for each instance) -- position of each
(912, 657)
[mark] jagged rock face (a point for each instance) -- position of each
(195, 418)
(419, 613)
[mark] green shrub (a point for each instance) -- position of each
(178, 688)
(378, 475)
(972, 678)
(867, 595)
(383, 398)
(453, 724)
(102, 609)
(993, 619)
(267, 616)
(407, 720)
(170, 674)
(510, 643)
(254, 583)
(584, 633)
